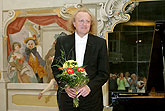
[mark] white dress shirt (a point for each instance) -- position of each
(80, 45)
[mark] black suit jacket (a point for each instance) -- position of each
(96, 62)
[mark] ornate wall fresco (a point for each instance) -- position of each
(24, 31)
(112, 13)
(30, 34)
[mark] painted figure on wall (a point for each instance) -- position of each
(50, 57)
(34, 59)
(19, 70)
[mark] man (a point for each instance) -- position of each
(90, 51)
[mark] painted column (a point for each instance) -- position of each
(3, 82)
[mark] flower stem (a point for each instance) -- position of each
(76, 102)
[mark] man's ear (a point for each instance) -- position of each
(74, 23)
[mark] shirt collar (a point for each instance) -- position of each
(81, 38)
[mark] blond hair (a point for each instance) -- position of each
(93, 28)
(133, 75)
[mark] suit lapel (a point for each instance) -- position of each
(89, 49)
(88, 52)
(71, 48)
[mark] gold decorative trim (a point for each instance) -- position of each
(0, 75)
(32, 100)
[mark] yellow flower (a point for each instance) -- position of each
(65, 65)
(71, 61)
(70, 64)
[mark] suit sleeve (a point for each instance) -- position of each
(55, 62)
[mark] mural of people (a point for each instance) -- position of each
(34, 59)
(19, 70)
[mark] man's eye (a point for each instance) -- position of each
(87, 21)
(82, 21)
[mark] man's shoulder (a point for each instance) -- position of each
(96, 37)
(66, 37)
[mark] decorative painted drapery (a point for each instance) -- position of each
(18, 23)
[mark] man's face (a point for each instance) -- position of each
(82, 23)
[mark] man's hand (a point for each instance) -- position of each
(83, 91)
(71, 92)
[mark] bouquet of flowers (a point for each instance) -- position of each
(73, 76)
